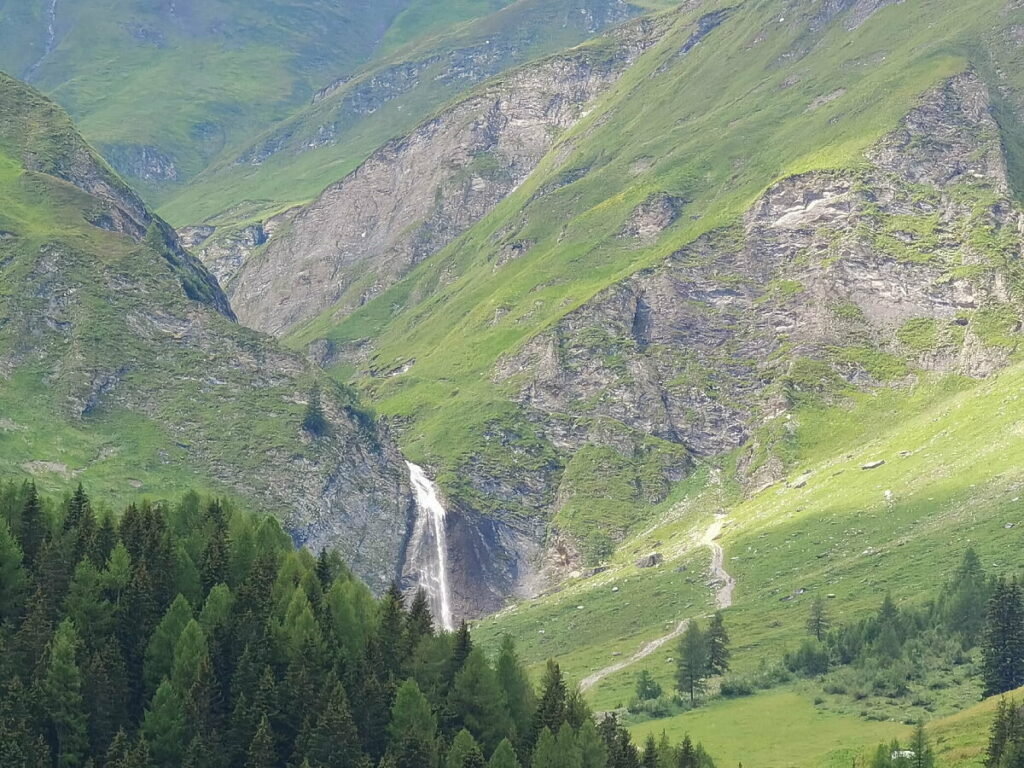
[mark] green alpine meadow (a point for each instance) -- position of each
(511, 384)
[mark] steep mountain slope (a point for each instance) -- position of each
(120, 362)
(346, 248)
(127, 70)
(350, 118)
(706, 249)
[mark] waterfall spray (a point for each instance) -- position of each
(429, 546)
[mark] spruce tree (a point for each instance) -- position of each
(262, 752)
(13, 578)
(550, 712)
(62, 698)
(688, 754)
(692, 663)
(1003, 643)
(332, 740)
(33, 527)
(817, 620)
(517, 690)
(649, 756)
(419, 623)
(314, 421)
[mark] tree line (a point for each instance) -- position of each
(895, 644)
(194, 635)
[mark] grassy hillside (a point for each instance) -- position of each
(683, 122)
(431, 54)
(117, 371)
(163, 89)
(952, 479)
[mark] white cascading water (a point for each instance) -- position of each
(428, 548)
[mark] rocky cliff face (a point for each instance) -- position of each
(833, 280)
(416, 195)
(110, 329)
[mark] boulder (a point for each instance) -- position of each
(651, 560)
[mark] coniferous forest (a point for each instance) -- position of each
(192, 634)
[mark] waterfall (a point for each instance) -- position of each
(428, 547)
(51, 38)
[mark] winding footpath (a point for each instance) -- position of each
(723, 599)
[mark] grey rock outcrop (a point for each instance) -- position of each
(416, 195)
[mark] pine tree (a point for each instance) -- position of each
(315, 421)
(692, 662)
(649, 757)
(1003, 643)
(517, 690)
(262, 752)
(818, 621)
(62, 696)
(505, 756)
(33, 527)
(550, 712)
(391, 637)
(12, 576)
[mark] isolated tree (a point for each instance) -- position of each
(818, 621)
(315, 421)
(717, 641)
(692, 662)
(923, 755)
(646, 686)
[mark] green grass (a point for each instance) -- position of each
(735, 133)
(779, 729)
(952, 451)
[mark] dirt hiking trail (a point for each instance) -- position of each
(720, 579)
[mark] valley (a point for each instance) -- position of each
(588, 323)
